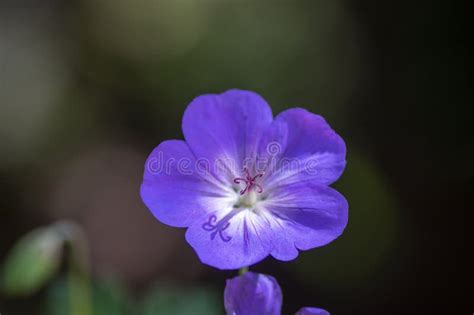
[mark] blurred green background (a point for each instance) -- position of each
(89, 87)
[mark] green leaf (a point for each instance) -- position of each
(33, 261)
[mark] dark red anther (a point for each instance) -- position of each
(249, 181)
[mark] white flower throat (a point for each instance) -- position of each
(249, 199)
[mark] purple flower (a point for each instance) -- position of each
(257, 294)
(246, 185)
(252, 294)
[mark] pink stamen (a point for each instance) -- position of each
(250, 182)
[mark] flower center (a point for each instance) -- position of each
(250, 183)
(248, 200)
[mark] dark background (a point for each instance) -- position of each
(89, 87)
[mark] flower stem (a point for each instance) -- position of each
(243, 270)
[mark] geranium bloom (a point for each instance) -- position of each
(258, 294)
(246, 185)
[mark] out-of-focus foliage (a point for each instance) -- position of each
(32, 262)
(33, 76)
(175, 301)
(363, 248)
(141, 30)
(110, 298)
(177, 50)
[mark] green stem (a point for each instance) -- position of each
(243, 270)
